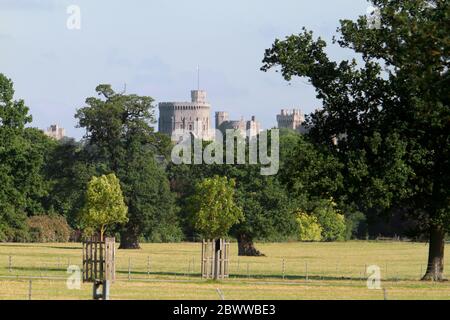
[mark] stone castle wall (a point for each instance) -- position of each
(186, 117)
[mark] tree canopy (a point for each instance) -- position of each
(104, 204)
(389, 111)
(213, 207)
(120, 138)
(23, 154)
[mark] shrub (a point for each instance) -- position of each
(48, 229)
(309, 228)
(164, 233)
(333, 223)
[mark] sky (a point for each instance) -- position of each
(155, 46)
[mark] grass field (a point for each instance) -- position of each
(172, 271)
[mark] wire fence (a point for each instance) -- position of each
(42, 271)
(148, 267)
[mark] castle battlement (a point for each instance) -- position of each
(291, 119)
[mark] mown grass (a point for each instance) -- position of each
(172, 271)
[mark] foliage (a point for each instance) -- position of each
(309, 227)
(68, 172)
(48, 228)
(332, 222)
(104, 204)
(390, 113)
(267, 208)
(213, 207)
(23, 153)
(120, 138)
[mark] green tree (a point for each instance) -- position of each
(68, 171)
(104, 204)
(390, 113)
(332, 222)
(267, 208)
(213, 207)
(23, 154)
(120, 138)
(309, 227)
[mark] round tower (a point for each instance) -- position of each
(179, 118)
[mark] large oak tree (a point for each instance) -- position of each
(120, 138)
(388, 110)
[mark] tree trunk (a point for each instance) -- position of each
(246, 246)
(435, 268)
(129, 240)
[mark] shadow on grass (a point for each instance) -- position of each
(42, 270)
(69, 248)
(21, 245)
(142, 275)
(243, 277)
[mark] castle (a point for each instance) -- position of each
(179, 118)
(292, 119)
(251, 128)
(55, 132)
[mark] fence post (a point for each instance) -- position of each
(148, 266)
(306, 270)
(248, 270)
(10, 264)
(29, 289)
(237, 271)
(129, 269)
(283, 268)
(386, 270)
(189, 269)
(385, 294)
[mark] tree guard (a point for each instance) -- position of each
(99, 265)
(215, 259)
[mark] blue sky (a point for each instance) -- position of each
(154, 46)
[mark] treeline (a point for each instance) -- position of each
(44, 181)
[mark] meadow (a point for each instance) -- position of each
(172, 271)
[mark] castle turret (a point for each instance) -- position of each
(221, 117)
(291, 119)
(198, 96)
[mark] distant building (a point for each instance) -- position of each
(253, 127)
(250, 127)
(291, 119)
(179, 118)
(55, 132)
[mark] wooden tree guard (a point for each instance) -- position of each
(215, 259)
(98, 260)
